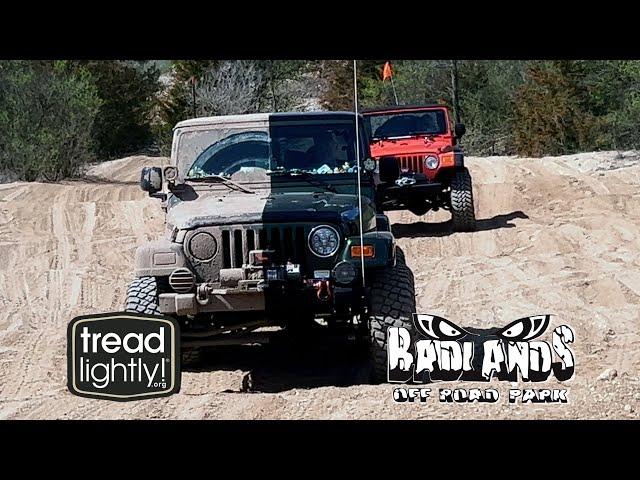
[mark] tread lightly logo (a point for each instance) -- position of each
(123, 356)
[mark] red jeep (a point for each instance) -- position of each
(421, 168)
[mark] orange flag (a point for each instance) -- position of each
(386, 71)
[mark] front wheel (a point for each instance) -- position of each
(393, 304)
(463, 215)
(142, 297)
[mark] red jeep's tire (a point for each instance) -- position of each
(463, 215)
(393, 304)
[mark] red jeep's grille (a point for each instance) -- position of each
(411, 163)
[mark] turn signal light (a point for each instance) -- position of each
(447, 159)
(365, 251)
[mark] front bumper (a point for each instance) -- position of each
(418, 188)
(220, 300)
(282, 289)
(320, 297)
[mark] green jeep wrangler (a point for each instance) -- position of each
(263, 220)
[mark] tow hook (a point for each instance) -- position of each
(202, 294)
(323, 291)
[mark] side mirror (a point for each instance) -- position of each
(389, 169)
(459, 130)
(151, 180)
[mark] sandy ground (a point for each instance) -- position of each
(556, 235)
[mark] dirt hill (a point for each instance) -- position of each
(556, 235)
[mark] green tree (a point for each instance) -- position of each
(173, 103)
(46, 117)
(487, 93)
(623, 118)
(279, 92)
(128, 93)
(552, 114)
(338, 94)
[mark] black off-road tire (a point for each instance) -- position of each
(142, 296)
(463, 215)
(393, 304)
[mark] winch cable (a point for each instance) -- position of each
(355, 105)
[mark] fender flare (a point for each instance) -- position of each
(159, 258)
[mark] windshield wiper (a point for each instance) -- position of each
(406, 135)
(393, 138)
(226, 181)
(421, 133)
(295, 172)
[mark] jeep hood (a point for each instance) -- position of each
(271, 208)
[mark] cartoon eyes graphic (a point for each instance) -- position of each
(525, 329)
(438, 328)
(522, 330)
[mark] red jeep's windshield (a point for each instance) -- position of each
(403, 124)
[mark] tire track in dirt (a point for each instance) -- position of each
(557, 235)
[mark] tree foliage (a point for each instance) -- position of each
(57, 115)
(204, 87)
(338, 75)
(511, 107)
(172, 104)
(46, 119)
(231, 87)
(127, 91)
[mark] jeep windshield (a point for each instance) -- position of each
(244, 155)
(313, 148)
(406, 124)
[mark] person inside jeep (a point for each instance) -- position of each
(315, 150)
(325, 151)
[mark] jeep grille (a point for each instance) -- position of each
(289, 242)
(411, 163)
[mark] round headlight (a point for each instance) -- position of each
(324, 241)
(431, 162)
(203, 246)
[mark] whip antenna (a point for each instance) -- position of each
(355, 106)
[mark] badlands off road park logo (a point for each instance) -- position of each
(123, 356)
(437, 350)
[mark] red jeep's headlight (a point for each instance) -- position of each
(431, 162)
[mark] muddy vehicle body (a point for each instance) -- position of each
(263, 229)
(420, 163)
